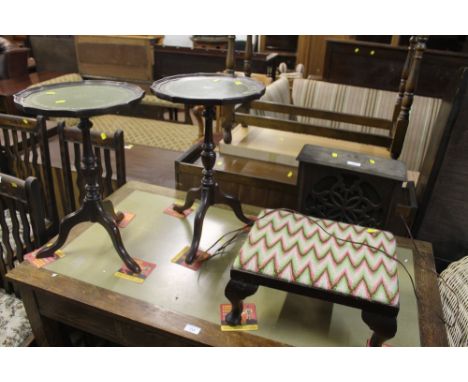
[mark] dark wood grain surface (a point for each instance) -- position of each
(345, 60)
(171, 60)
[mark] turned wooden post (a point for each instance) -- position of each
(230, 64)
(225, 113)
(404, 77)
(248, 57)
(401, 124)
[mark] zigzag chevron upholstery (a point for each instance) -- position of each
(297, 249)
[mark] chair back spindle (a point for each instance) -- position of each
(22, 222)
(230, 63)
(404, 76)
(400, 127)
(25, 152)
(248, 57)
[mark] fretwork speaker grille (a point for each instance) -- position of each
(348, 187)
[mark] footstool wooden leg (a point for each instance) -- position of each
(236, 291)
(384, 327)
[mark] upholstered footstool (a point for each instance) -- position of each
(337, 262)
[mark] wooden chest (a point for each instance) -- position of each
(121, 57)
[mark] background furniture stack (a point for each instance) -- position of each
(24, 153)
(366, 121)
(121, 57)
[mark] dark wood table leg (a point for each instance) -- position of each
(67, 223)
(236, 291)
(117, 216)
(192, 194)
(198, 226)
(93, 208)
(383, 326)
(209, 191)
(222, 198)
(47, 332)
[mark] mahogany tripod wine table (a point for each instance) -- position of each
(83, 100)
(209, 90)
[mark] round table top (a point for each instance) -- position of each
(208, 89)
(78, 99)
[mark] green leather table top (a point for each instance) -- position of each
(208, 89)
(83, 98)
(156, 237)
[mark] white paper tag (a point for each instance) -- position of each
(192, 329)
(351, 163)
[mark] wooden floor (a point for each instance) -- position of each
(143, 163)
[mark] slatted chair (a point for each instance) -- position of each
(110, 154)
(23, 229)
(24, 152)
(348, 117)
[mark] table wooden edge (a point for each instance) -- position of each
(121, 309)
(431, 325)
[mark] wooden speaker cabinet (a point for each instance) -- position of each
(349, 187)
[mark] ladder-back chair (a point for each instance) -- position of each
(23, 230)
(22, 221)
(25, 152)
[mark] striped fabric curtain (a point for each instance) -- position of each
(278, 92)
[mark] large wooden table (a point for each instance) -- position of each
(81, 291)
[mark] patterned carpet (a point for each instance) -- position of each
(14, 324)
(146, 132)
(149, 132)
